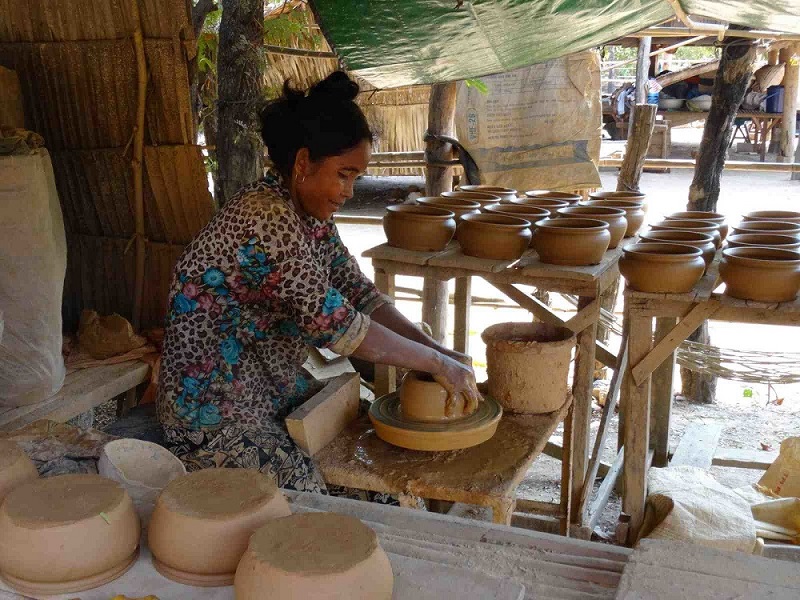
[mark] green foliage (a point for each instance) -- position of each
(747, 393)
(478, 84)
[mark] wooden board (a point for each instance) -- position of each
(387, 252)
(83, 389)
(698, 445)
(743, 458)
(454, 257)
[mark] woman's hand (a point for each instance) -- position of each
(459, 381)
(462, 358)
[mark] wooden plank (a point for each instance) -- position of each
(701, 292)
(740, 458)
(387, 252)
(604, 491)
(463, 304)
(454, 257)
(661, 412)
(385, 375)
(698, 445)
(585, 317)
(83, 390)
(669, 343)
(530, 266)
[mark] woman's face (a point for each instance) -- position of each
(322, 187)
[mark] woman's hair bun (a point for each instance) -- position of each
(336, 86)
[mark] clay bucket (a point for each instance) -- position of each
(788, 216)
(573, 199)
(528, 365)
(505, 193)
(521, 211)
(418, 227)
(767, 240)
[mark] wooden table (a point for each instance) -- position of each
(588, 283)
(647, 393)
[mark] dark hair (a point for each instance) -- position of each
(325, 120)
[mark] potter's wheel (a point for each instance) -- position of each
(474, 429)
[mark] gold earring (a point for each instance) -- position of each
(298, 180)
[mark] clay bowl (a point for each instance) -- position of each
(634, 212)
(662, 268)
(551, 204)
(496, 190)
(15, 468)
(708, 227)
(494, 236)
(522, 211)
(422, 399)
(314, 555)
(202, 522)
(632, 196)
(65, 534)
(701, 215)
(458, 206)
(573, 199)
(573, 242)
(788, 216)
(615, 217)
(703, 241)
(418, 227)
(777, 227)
(761, 274)
(767, 240)
(481, 198)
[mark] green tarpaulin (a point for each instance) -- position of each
(392, 43)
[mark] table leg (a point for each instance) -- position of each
(662, 397)
(566, 472)
(385, 375)
(435, 297)
(582, 383)
(502, 510)
(463, 303)
(637, 430)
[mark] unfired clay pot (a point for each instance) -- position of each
(528, 365)
(788, 216)
(697, 225)
(202, 523)
(551, 204)
(65, 534)
(573, 199)
(768, 240)
(504, 192)
(522, 211)
(15, 468)
(779, 227)
(494, 236)
(418, 227)
(634, 212)
(423, 399)
(573, 242)
(324, 556)
(702, 215)
(483, 198)
(609, 195)
(458, 206)
(662, 268)
(761, 274)
(703, 241)
(614, 217)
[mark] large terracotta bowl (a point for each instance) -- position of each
(614, 217)
(634, 212)
(419, 227)
(202, 523)
(551, 204)
(322, 556)
(767, 240)
(572, 199)
(423, 399)
(65, 534)
(662, 268)
(609, 195)
(573, 242)
(15, 468)
(701, 215)
(458, 206)
(789, 216)
(697, 225)
(777, 227)
(761, 274)
(483, 198)
(496, 190)
(686, 238)
(522, 211)
(494, 236)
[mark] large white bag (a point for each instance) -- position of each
(33, 263)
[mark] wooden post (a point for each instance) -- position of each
(385, 375)
(642, 69)
(791, 82)
(435, 298)
(644, 118)
(661, 411)
(773, 56)
(463, 303)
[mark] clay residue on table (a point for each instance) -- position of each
(9, 454)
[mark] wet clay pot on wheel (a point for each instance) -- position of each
(494, 236)
(778, 227)
(551, 204)
(761, 274)
(686, 238)
(707, 227)
(662, 268)
(572, 199)
(521, 211)
(323, 556)
(423, 399)
(702, 215)
(418, 227)
(767, 240)
(202, 523)
(481, 198)
(574, 242)
(66, 534)
(458, 206)
(614, 217)
(634, 212)
(528, 365)
(505, 194)
(15, 468)
(788, 216)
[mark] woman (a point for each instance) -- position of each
(268, 276)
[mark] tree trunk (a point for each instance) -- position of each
(791, 81)
(239, 68)
(730, 84)
(441, 117)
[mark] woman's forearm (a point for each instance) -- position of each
(391, 318)
(384, 346)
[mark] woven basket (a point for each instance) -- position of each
(769, 75)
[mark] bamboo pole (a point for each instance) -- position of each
(678, 32)
(656, 52)
(137, 164)
(791, 82)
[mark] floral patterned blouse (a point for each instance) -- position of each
(252, 290)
